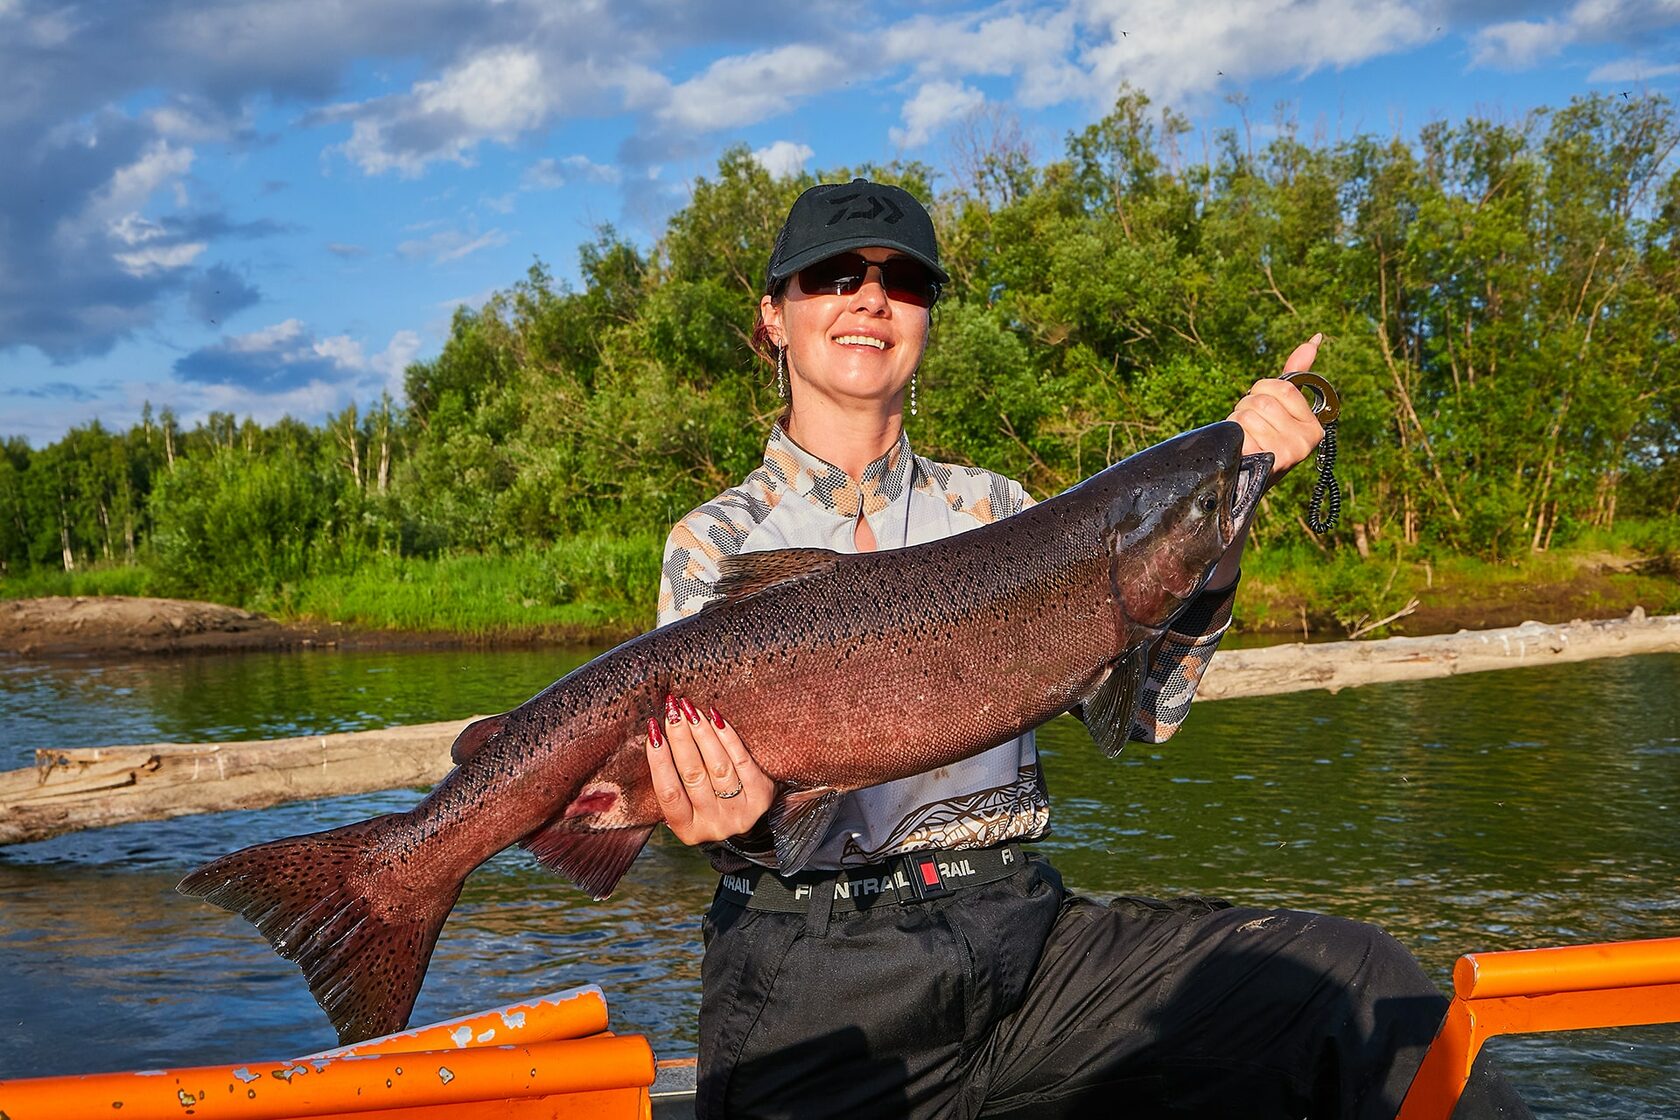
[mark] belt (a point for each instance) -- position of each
(904, 879)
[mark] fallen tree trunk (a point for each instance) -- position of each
(69, 790)
(1337, 665)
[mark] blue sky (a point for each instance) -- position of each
(270, 208)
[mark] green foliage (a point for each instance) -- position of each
(233, 525)
(590, 583)
(1499, 301)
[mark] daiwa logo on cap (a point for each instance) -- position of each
(877, 203)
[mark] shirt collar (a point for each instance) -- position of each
(828, 487)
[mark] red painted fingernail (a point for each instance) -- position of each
(653, 733)
(690, 711)
(717, 720)
(672, 712)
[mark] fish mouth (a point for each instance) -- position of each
(1252, 475)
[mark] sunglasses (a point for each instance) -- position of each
(905, 279)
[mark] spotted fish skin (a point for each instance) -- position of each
(838, 671)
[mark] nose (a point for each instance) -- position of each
(872, 293)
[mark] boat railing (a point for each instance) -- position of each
(1529, 991)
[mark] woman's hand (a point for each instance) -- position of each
(706, 781)
(1276, 417)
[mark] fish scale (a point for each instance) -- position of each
(839, 672)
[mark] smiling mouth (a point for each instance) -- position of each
(860, 340)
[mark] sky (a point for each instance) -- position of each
(271, 208)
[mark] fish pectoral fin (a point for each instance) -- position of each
(1108, 710)
(593, 859)
(473, 736)
(798, 821)
(751, 572)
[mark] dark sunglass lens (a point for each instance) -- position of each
(909, 281)
(839, 275)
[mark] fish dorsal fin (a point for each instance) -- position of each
(1108, 710)
(474, 735)
(798, 822)
(593, 859)
(752, 572)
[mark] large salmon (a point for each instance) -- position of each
(1023, 619)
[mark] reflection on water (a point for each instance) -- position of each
(1494, 811)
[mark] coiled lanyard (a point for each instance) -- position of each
(1327, 406)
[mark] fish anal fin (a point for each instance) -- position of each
(798, 822)
(594, 859)
(1108, 710)
(751, 572)
(473, 736)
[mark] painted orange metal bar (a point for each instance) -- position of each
(1570, 968)
(1527, 991)
(353, 1085)
(575, 1013)
(606, 1104)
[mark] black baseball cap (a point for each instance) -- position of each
(833, 218)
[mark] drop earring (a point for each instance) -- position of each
(913, 378)
(781, 374)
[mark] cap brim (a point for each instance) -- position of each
(822, 252)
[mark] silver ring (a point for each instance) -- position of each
(736, 792)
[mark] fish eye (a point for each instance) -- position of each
(1209, 503)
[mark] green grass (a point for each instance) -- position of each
(117, 579)
(597, 583)
(591, 584)
(1600, 575)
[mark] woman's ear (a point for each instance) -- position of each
(770, 313)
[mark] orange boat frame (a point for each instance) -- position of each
(549, 1057)
(553, 1058)
(1527, 991)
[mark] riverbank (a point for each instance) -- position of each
(570, 595)
(103, 626)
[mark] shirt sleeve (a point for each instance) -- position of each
(688, 570)
(1178, 663)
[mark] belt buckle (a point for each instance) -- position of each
(922, 869)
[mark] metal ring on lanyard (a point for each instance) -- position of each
(1327, 406)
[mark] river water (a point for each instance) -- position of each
(1495, 811)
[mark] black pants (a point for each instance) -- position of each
(1018, 999)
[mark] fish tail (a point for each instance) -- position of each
(338, 904)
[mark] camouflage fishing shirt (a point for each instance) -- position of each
(796, 500)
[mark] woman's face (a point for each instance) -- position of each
(848, 348)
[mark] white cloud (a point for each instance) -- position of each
(1176, 49)
(347, 354)
(783, 159)
(744, 89)
(551, 174)
(341, 350)
(1632, 70)
(132, 185)
(450, 245)
(496, 95)
(278, 336)
(1522, 44)
(286, 358)
(392, 362)
(160, 258)
(935, 104)
(1034, 49)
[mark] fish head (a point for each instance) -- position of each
(1173, 511)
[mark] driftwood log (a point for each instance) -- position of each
(69, 790)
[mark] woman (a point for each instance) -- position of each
(875, 987)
